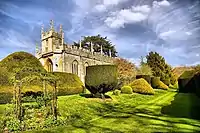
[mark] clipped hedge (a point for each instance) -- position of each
(146, 77)
(5, 98)
(68, 83)
(126, 90)
(116, 92)
(101, 78)
(155, 82)
(166, 81)
(162, 86)
(19, 60)
(186, 82)
(197, 83)
(141, 86)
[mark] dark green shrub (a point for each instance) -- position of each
(116, 92)
(5, 98)
(125, 81)
(68, 83)
(126, 90)
(146, 77)
(197, 84)
(19, 60)
(166, 81)
(186, 82)
(101, 79)
(141, 86)
(155, 82)
(162, 86)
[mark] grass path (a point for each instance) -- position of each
(166, 111)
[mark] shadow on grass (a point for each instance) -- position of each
(92, 96)
(184, 105)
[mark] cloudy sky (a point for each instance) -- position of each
(170, 27)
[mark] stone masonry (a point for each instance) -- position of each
(57, 56)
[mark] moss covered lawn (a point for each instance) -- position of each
(166, 111)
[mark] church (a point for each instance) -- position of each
(57, 56)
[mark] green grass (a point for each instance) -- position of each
(166, 111)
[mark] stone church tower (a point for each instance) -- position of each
(57, 56)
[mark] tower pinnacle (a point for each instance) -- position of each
(51, 24)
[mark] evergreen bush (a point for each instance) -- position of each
(141, 86)
(101, 78)
(68, 84)
(186, 82)
(146, 77)
(155, 82)
(166, 81)
(116, 92)
(126, 90)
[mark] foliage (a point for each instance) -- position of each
(144, 69)
(15, 61)
(173, 79)
(97, 42)
(126, 71)
(162, 86)
(159, 67)
(157, 84)
(126, 90)
(17, 66)
(166, 81)
(186, 82)
(175, 86)
(68, 83)
(116, 92)
(4, 76)
(101, 78)
(187, 74)
(146, 77)
(141, 86)
(5, 98)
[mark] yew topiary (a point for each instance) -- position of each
(141, 86)
(101, 79)
(126, 90)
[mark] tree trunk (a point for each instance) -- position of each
(18, 102)
(54, 102)
(45, 92)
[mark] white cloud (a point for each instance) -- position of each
(127, 16)
(113, 2)
(163, 3)
(106, 4)
(188, 33)
(143, 9)
(166, 34)
(100, 8)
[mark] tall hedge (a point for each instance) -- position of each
(68, 83)
(146, 77)
(197, 83)
(186, 82)
(101, 78)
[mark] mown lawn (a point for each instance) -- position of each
(166, 111)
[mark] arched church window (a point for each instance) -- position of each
(86, 65)
(49, 65)
(75, 67)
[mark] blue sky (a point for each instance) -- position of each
(170, 27)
